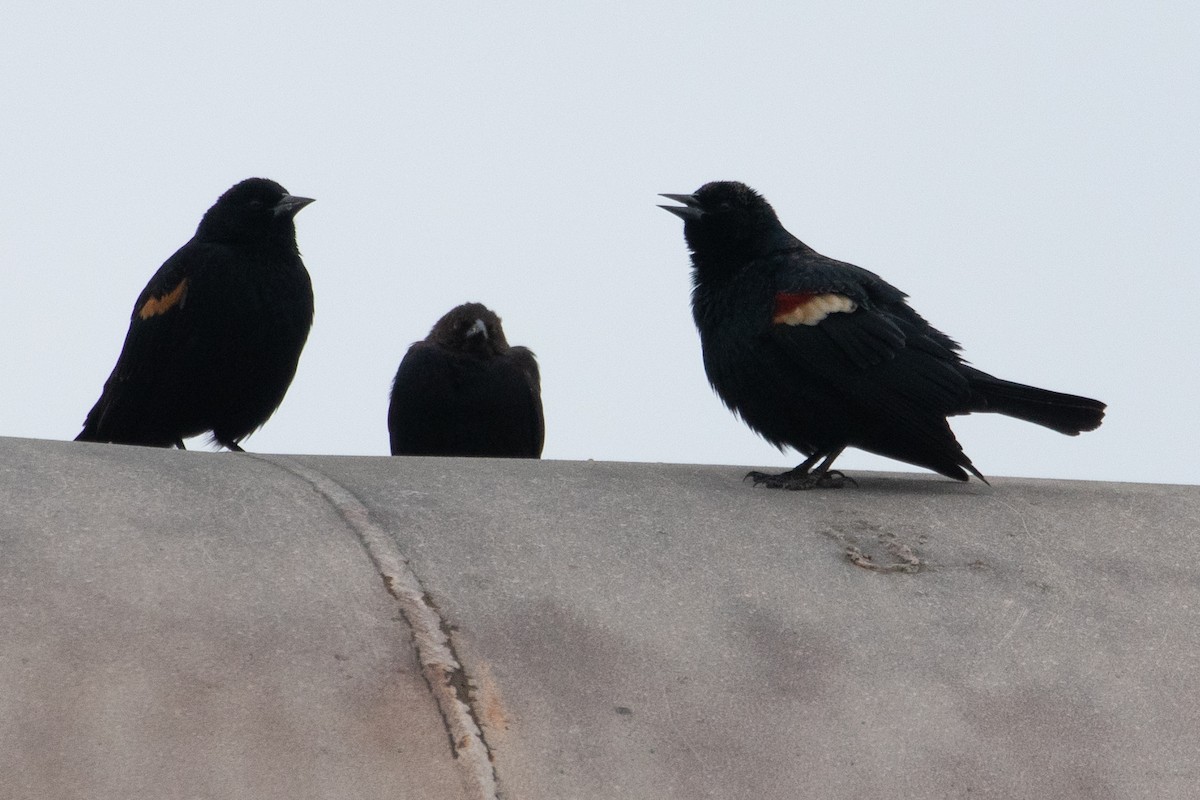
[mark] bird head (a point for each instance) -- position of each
(470, 328)
(253, 211)
(727, 218)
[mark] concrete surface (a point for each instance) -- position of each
(212, 625)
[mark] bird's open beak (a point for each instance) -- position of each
(290, 205)
(691, 206)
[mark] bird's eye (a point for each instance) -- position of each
(255, 204)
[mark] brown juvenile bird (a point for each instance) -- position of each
(464, 391)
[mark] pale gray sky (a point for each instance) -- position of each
(1028, 172)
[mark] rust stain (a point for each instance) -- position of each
(490, 705)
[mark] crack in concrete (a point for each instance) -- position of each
(443, 671)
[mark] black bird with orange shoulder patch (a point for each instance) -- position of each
(216, 335)
(820, 355)
(463, 391)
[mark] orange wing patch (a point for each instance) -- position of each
(161, 305)
(809, 308)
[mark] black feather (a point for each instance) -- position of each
(215, 337)
(463, 391)
(864, 371)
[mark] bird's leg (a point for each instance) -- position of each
(785, 479)
(230, 445)
(179, 444)
(831, 478)
(805, 476)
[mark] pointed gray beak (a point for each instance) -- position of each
(478, 329)
(691, 206)
(290, 205)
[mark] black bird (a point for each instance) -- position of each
(464, 391)
(821, 355)
(215, 336)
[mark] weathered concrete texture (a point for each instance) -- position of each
(198, 625)
(215, 625)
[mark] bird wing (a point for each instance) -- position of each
(855, 331)
(156, 348)
(418, 414)
(819, 300)
(524, 358)
(158, 324)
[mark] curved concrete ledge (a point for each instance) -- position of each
(217, 625)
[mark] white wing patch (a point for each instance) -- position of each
(806, 308)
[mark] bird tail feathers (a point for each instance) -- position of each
(1065, 413)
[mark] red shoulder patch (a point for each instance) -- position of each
(164, 303)
(809, 308)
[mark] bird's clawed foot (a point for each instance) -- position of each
(795, 480)
(805, 476)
